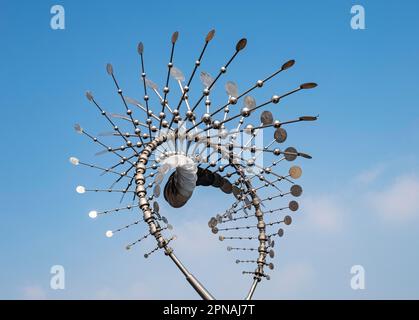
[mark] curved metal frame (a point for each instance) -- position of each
(162, 243)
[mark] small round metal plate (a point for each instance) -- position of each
(231, 89)
(266, 118)
(156, 207)
(296, 190)
(156, 190)
(295, 172)
(177, 74)
(293, 205)
(272, 253)
(287, 220)
(280, 135)
(249, 102)
(206, 79)
(290, 154)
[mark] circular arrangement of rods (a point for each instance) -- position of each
(213, 152)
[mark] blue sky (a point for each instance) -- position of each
(361, 190)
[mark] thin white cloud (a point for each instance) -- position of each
(397, 202)
(323, 213)
(370, 175)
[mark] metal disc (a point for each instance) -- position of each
(272, 253)
(296, 190)
(287, 220)
(290, 154)
(177, 74)
(164, 219)
(214, 230)
(109, 69)
(89, 96)
(295, 172)
(212, 222)
(231, 89)
(266, 118)
(156, 190)
(249, 102)
(293, 205)
(241, 44)
(206, 79)
(280, 232)
(78, 128)
(280, 135)
(210, 35)
(308, 85)
(159, 178)
(151, 84)
(156, 207)
(272, 244)
(288, 64)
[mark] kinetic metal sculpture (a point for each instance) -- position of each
(204, 149)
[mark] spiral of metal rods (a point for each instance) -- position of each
(221, 161)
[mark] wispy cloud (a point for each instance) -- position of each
(397, 202)
(370, 175)
(323, 212)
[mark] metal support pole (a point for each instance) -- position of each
(252, 289)
(199, 288)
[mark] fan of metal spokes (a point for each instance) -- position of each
(202, 145)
